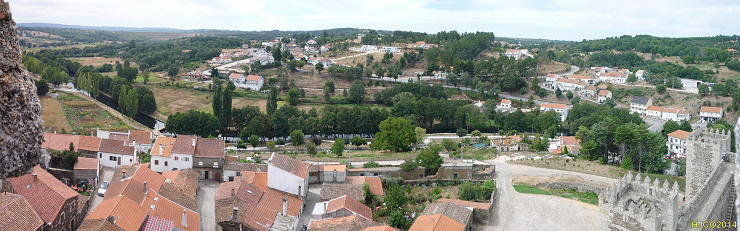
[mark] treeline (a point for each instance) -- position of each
(658, 70)
(419, 90)
(106, 50)
(709, 49)
(459, 47)
(159, 56)
(385, 67)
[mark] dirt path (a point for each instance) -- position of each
(517, 211)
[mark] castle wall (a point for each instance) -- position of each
(704, 154)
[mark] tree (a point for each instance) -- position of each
(358, 141)
(272, 101)
(338, 147)
(193, 123)
(429, 158)
(357, 92)
(311, 148)
(214, 73)
(173, 71)
(370, 198)
(558, 93)
(569, 94)
(42, 87)
(296, 137)
(660, 88)
(226, 104)
(147, 103)
(398, 220)
(254, 140)
(293, 95)
(270, 145)
(409, 165)
(328, 90)
(461, 132)
(217, 101)
(703, 90)
(396, 134)
(420, 133)
(449, 145)
(319, 67)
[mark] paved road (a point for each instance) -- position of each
(517, 211)
(314, 196)
(207, 204)
(655, 125)
(105, 175)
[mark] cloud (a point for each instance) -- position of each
(552, 19)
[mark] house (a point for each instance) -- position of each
(590, 80)
(639, 105)
(254, 82)
(640, 74)
(141, 140)
(505, 105)
(250, 204)
(208, 159)
(341, 207)
(614, 77)
(588, 92)
(710, 114)
(287, 175)
(517, 53)
(161, 155)
(436, 222)
(51, 200)
(481, 211)
(665, 113)
(480, 103)
(550, 80)
(390, 50)
(17, 213)
(571, 143)
(366, 48)
(604, 95)
(420, 44)
(233, 169)
(354, 222)
(600, 70)
(331, 190)
(238, 80)
(181, 154)
(114, 153)
(451, 210)
(86, 169)
(561, 109)
(568, 84)
(86, 145)
(374, 182)
(507, 143)
(334, 173)
(676, 143)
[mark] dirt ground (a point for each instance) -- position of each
(96, 61)
(544, 180)
(576, 165)
(173, 100)
(553, 67)
(53, 115)
(377, 57)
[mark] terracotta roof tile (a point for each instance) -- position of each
(436, 222)
(235, 76)
(604, 92)
(330, 191)
(141, 137)
(239, 166)
(680, 134)
(159, 206)
(128, 214)
(376, 185)
(17, 214)
(344, 202)
(253, 77)
(184, 145)
(353, 222)
(505, 101)
(98, 225)
(59, 142)
(163, 146)
(115, 147)
(157, 224)
(296, 167)
(210, 148)
(89, 143)
(86, 163)
(711, 109)
(332, 167)
(46, 194)
(553, 105)
(379, 228)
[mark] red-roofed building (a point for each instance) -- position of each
(287, 174)
(254, 82)
(114, 153)
(341, 207)
(141, 140)
(86, 169)
(436, 222)
(17, 214)
(335, 173)
(710, 114)
(53, 202)
(572, 144)
(604, 95)
(561, 109)
(209, 157)
(676, 143)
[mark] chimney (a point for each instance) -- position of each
(194, 139)
(300, 193)
(36, 177)
(124, 174)
(285, 206)
(111, 219)
(145, 188)
(184, 218)
(325, 204)
(335, 176)
(235, 214)
(232, 192)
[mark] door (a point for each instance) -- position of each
(206, 175)
(217, 177)
(119, 161)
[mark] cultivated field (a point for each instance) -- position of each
(96, 61)
(53, 115)
(82, 115)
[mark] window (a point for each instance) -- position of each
(200, 163)
(238, 173)
(176, 158)
(156, 162)
(454, 176)
(187, 159)
(130, 160)
(165, 163)
(112, 158)
(101, 155)
(231, 178)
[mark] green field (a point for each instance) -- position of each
(586, 197)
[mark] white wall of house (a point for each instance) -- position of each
(255, 85)
(676, 146)
(174, 162)
(563, 112)
(111, 160)
(651, 113)
(284, 181)
(710, 116)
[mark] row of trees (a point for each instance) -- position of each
(710, 49)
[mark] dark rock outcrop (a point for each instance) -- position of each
(21, 129)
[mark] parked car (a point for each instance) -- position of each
(103, 188)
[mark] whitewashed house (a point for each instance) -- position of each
(114, 153)
(254, 82)
(614, 77)
(568, 84)
(171, 154)
(390, 50)
(604, 95)
(550, 80)
(639, 105)
(665, 113)
(238, 79)
(588, 92)
(161, 154)
(517, 53)
(640, 74)
(676, 143)
(710, 114)
(287, 175)
(561, 109)
(504, 106)
(590, 80)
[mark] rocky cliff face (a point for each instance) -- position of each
(21, 131)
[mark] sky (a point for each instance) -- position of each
(547, 19)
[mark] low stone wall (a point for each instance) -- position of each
(565, 182)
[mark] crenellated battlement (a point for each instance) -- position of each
(647, 203)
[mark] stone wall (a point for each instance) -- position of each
(704, 153)
(639, 204)
(21, 131)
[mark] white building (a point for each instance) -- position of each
(390, 50)
(588, 92)
(517, 53)
(710, 114)
(141, 140)
(114, 153)
(238, 80)
(287, 174)
(640, 74)
(676, 143)
(163, 155)
(639, 105)
(561, 109)
(333, 173)
(590, 80)
(504, 106)
(551, 79)
(665, 113)
(365, 48)
(254, 82)
(613, 77)
(569, 84)
(604, 95)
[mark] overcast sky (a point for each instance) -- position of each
(549, 19)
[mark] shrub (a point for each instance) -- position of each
(409, 165)
(311, 148)
(371, 164)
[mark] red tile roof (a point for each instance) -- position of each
(141, 137)
(711, 109)
(115, 147)
(86, 163)
(379, 228)
(253, 77)
(210, 148)
(46, 194)
(553, 105)
(332, 167)
(59, 142)
(128, 214)
(437, 222)
(604, 92)
(353, 222)
(344, 202)
(571, 81)
(17, 214)
(505, 101)
(159, 206)
(184, 145)
(235, 76)
(680, 134)
(166, 144)
(89, 143)
(293, 166)
(376, 185)
(157, 224)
